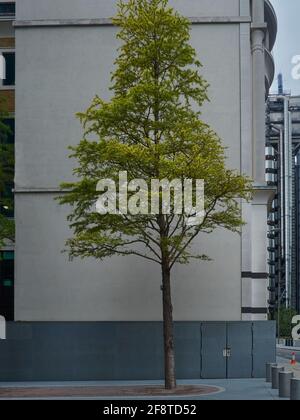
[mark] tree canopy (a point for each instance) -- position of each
(151, 128)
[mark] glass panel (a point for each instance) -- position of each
(7, 9)
(8, 255)
(7, 283)
(10, 69)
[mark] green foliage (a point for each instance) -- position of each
(151, 128)
(7, 230)
(6, 179)
(285, 321)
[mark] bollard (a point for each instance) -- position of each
(269, 372)
(295, 389)
(285, 384)
(275, 376)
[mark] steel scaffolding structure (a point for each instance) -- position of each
(283, 171)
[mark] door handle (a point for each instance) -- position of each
(227, 352)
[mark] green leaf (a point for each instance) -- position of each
(151, 128)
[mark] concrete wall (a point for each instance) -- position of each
(91, 9)
(59, 70)
(50, 288)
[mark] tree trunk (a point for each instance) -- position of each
(169, 351)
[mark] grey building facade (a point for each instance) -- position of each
(65, 51)
(90, 320)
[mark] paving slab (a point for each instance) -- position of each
(234, 390)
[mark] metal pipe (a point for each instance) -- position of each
(287, 194)
(290, 148)
(280, 84)
(281, 163)
(287, 190)
(281, 231)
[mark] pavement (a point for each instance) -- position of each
(230, 390)
(233, 389)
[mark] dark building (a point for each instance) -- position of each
(7, 95)
(297, 230)
(283, 171)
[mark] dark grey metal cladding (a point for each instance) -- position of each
(16, 360)
(122, 350)
(239, 341)
(139, 353)
(60, 351)
(70, 351)
(213, 344)
(188, 350)
(74, 350)
(264, 346)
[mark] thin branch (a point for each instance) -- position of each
(197, 231)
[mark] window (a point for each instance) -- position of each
(10, 60)
(7, 283)
(7, 9)
(8, 255)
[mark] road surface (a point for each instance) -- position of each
(287, 354)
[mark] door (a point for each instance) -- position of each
(264, 346)
(239, 344)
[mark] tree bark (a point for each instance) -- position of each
(169, 348)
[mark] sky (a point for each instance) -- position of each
(288, 43)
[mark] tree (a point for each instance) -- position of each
(284, 319)
(7, 228)
(151, 128)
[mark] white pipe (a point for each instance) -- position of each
(290, 141)
(286, 177)
(281, 161)
(288, 190)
